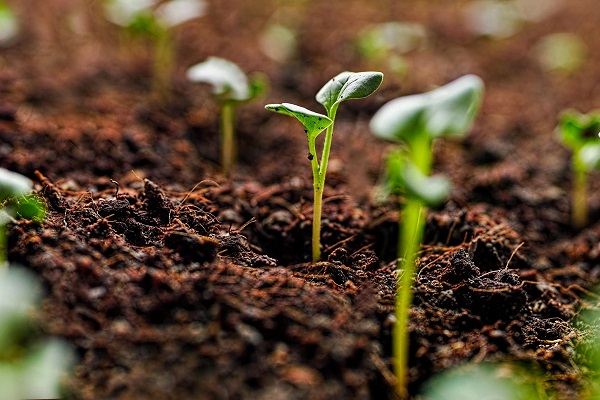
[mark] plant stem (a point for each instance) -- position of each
(411, 234)
(317, 202)
(319, 173)
(228, 146)
(579, 211)
(411, 231)
(163, 65)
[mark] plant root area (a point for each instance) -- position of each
(173, 282)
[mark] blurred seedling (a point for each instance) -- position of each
(16, 202)
(507, 381)
(345, 86)
(387, 43)
(30, 367)
(562, 52)
(231, 87)
(580, 133)
(415, 122)
(154, 21)
(9, 24)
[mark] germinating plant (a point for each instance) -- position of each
(31, 367)
(345, 86)
(155, 20)
(580, 133)
(415, 122)
(15, 201)
(231, 87)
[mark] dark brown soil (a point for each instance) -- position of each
(173, 282)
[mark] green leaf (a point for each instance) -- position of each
(403, 176)
(448, 110)
(400, 119)
(348, 85)
(228, 80)
(453, 107)
(30, 207)
(13, 184)
(590, 155)
(314, 123)
(577, 129)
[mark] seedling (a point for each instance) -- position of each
(15, 186)
(415, 122)
(230, 88)
(580, 132)
(344, 86)
(9, 25)
(145, 19)
(30, 367)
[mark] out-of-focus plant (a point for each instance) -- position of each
(31, 367)
(485, 381)
(580, 133)
(148, 19)
(15, 201)
(499, 19)
(278, 42)
(9, 25)
(561, 52)
(231, 87)
(344, 86)
(415, 122)
(389, 42)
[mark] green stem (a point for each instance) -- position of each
(163, 65)
(579, 211)
(318, 200)
(411, 234)
(228, 145)
(411, 231)
(319, 174)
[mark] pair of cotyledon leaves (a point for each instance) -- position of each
(344, 86)
(228, 80)
(581, 132)
(446, 111)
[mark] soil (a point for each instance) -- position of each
(173, 282)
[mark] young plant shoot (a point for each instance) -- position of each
(415, 122)
(345, 86)
(580, 133)
(148, 19)
(14, 190)
(230, 87)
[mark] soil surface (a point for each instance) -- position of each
(173, 282)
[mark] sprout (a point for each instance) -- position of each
(345, 86)
(484, 381)
(9, 25)
(144, 18)
(230, 87)
(29, 368)
(15, 186)
(580, 133)
(415, 121)
(564, 52)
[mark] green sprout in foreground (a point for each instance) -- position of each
(230, 87)
(580, 132)
(31, 366)
(15, 201)
(345, 86)
(415, 122)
